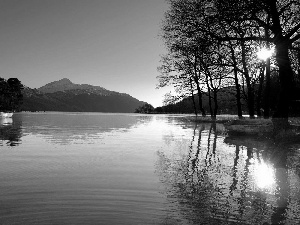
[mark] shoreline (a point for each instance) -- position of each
(258, 126)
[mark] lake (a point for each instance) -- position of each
(96, 168)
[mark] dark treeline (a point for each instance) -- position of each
(226, 103)
(11, 97)
(146, 108)
(215, 44)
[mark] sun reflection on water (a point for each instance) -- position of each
(264, 175)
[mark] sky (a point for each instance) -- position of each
(114, 44)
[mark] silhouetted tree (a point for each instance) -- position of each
(146, 108)
(281, 19)
(243, 26)
(11, 97)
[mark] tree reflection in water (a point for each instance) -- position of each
(232, 180)
(10, 131)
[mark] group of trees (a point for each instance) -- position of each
(146, 108)
(212, 44)
(10, 94)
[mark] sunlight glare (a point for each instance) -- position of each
(265, 53)
(264, 175)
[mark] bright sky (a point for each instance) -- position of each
(109, 43)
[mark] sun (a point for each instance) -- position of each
(265, 53)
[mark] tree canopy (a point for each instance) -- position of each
(214, 43)
(10, 94)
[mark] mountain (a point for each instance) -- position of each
(63, 95)
(65, 85)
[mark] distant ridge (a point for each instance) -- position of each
(65, 84)
(63, 95)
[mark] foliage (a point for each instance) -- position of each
(146, 108)
(11, 97)
(214, 44)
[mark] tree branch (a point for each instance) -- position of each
(253, 38)
(294, 30)
(286, 6)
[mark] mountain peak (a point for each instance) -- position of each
(66, 85)
(60, 85)
(64, 81)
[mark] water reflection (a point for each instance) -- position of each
(77, 128)
(232, 180)
(264, 175)
(198, 176)
(56, 178)
(10, 131)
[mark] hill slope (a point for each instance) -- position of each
(63, 95)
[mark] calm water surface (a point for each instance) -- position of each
(93, 168)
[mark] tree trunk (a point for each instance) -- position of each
(194, 104)
(268, 78)
(267, 91)
(200, 99)
(299, 63)
(216, 106)
(280, 117)
(237, 85)
(209, 97)
(250, 94)
(196, 78)
(238, 95)
(286, 80)
(259, 92)
(193, 97)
